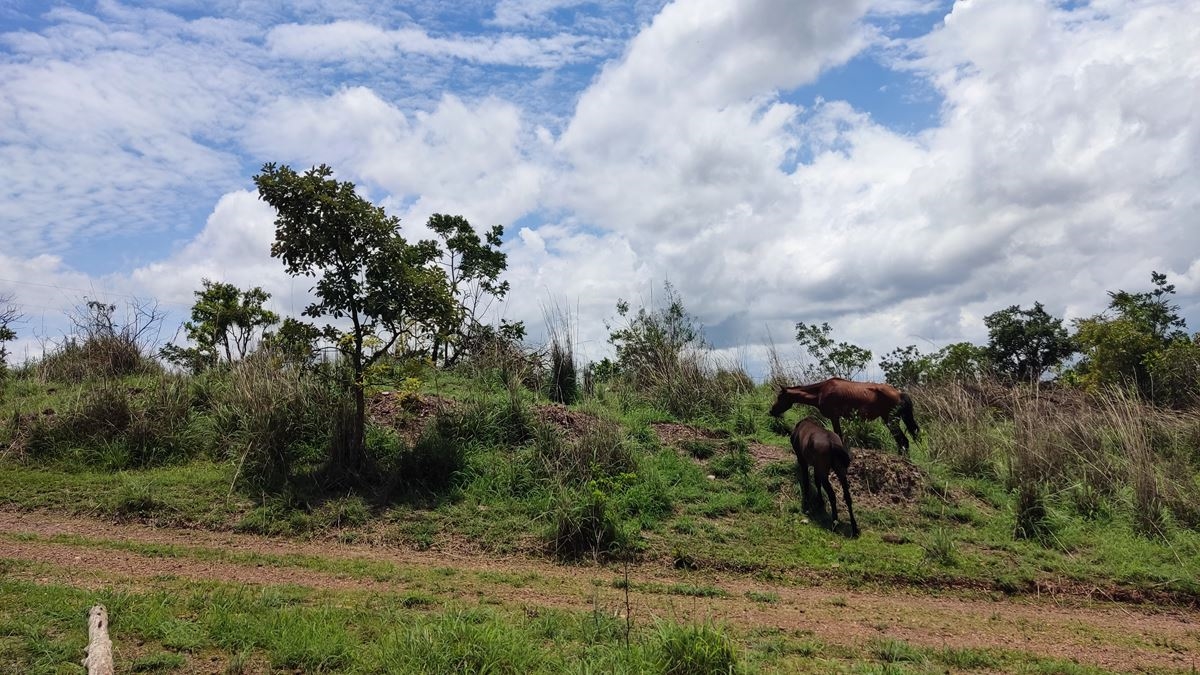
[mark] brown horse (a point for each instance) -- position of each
(824, 450)
(837, 398)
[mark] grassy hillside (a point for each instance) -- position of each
(1009, 492)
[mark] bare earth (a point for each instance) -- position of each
(1112, 635)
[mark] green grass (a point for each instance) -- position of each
(663, 503)
(42, 629)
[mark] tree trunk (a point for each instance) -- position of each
(99, 659)
(358, 448)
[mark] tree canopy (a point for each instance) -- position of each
(377, 287)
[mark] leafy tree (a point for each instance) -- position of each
(225, 320)
(1024, 343)
(473, 265)
(834, 359)
(10, 315)
(960, 361)
(368, 276)
(906, 366)
(652, 341)
(1141, 340)
(295, 341)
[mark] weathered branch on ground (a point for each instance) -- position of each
(99, 659)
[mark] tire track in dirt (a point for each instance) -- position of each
(1107, 634)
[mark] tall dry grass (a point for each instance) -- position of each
(1087, 451)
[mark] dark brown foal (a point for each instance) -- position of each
(824, 450)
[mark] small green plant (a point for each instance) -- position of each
(584, 525)
(734, 460)
(700, 448)
(765, 597)
(941, 548)
(695, 650)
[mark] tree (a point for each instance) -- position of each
(1024, 343)
(295, 341)
(651, 342)
(906, 366)
(368, 276)
(473, 266)
(955, 362)
(224, 321)
(1141, 340)
(10, 315)
(834, 359)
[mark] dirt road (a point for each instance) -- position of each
(1118, 636)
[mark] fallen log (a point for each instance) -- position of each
(99, 659)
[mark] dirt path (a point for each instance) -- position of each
(1111, 635)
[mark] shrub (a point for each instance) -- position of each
(438, 454)
(584, 525)
(662, 355)
(694, 650)
(118, 427)
(276, 419)
(734, 459)
(601, 450)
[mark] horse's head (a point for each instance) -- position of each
(782, 403)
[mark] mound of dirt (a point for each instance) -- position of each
(882, 478)
(571, 422)
(408, 414)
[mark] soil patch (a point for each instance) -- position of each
(879, 478)
(571, 423)
(408, 414)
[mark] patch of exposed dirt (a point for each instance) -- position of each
(1111, 635)
(408, 414)
(764, 454)
(571, 422)
(880, 478)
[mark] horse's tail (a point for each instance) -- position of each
(906, 414)
(840, 454)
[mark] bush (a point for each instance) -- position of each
(695, 650)
(600, 450)
(102, 357)
(584, 525)
(275, 420)
(119, 427)
(438, 454)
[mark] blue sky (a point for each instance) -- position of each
(898, 168)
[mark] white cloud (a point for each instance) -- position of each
(1063, 162)
(468, 159)
(358, 40)
(102, 125)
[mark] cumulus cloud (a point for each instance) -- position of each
(1063, 161)
(1061, 167)
(477, 160)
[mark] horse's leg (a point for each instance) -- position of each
(832, 500)
(841, 474)
(837, 427)
(802, 470)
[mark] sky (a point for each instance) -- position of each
(896, 168)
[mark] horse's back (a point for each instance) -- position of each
(811, 439)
